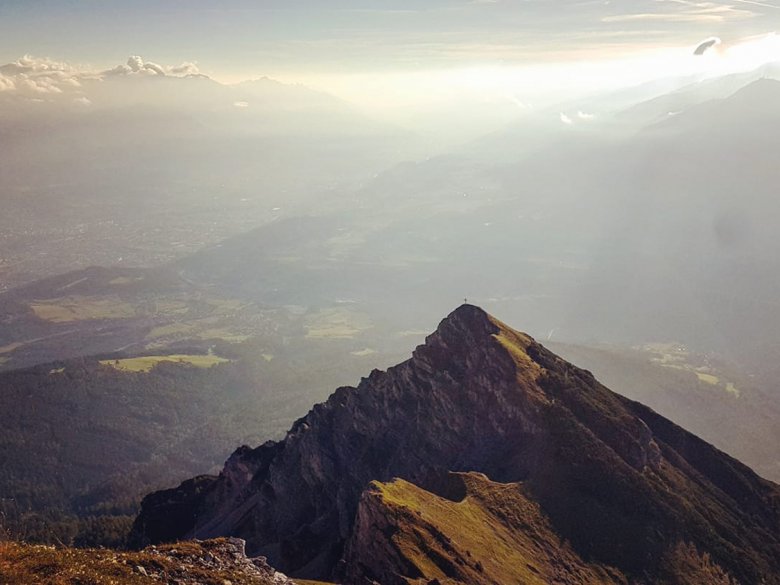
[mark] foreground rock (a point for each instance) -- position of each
(613, 482)
(216, 562)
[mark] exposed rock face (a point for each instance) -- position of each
(619, 483)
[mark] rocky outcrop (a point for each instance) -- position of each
(221, 561)
(190, 562)
(616, 481)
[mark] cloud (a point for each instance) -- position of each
(36, 77)
(6, 83)
(584, 116)
(757, 3)
(687, 11)
(241, 104)
(135, 63)
(39, 85)
(154, 67)
(566, 119)
(186, 68)
(137, 66)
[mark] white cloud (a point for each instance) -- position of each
(83, 101)
(6, 83)
(154, 67)
(241, 104)
(584, 116)
(137, 66)
(566, 119)
(186, 68)
(34, 76)
(38, 85)
(135, 63)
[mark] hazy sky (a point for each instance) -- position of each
(347, 43)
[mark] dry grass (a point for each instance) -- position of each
(42, 565)
(22, 564)
(517, 344)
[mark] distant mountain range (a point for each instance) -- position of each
(511, 462)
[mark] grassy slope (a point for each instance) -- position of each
(496, 534)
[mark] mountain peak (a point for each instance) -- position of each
(467, 325)
(619, 483)
(470, 336)
(468, 319)
(469, 313)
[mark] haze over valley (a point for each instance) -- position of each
(276, 202)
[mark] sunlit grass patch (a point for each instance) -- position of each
(146, 363)
(708, 378)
